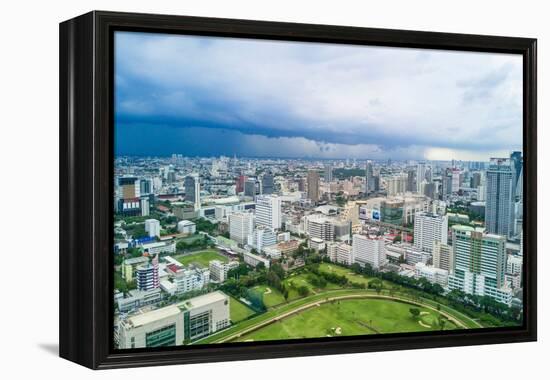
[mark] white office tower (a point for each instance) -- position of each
(339, 252)
(443, 256)
(428, 228)
(152, 227)
(499, 216)
(268, 211)
(241, 224)
(369, 250)
(193, 190)
(479, 264)
(420, 177)
(262, 237)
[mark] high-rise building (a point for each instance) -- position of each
(411, 185)
(128, 196)
(147, 275)
(152, 227)
(369, 250)
(241, 224)
(516, 162)
(475, 180)
(268, 185)
(313, 185)
(479, 264)
(193, 190)
(499, 218)
(443, 256)
(268, 211)
(429, 228)
(420, 176)
(456, 180)
(396, 185)
(239, 188)
(328, 173)
(369, 180)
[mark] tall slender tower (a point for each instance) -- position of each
(499, 211)
(313, 185)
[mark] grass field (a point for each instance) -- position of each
(201, 258)
(239, 310)
(270, 298)
(331, 268)
(349, 317)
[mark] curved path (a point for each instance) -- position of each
(239, 333)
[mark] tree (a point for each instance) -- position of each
(414, 312)
(303, 290)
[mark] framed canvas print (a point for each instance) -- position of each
(235, 190)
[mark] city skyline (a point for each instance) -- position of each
(290, 99)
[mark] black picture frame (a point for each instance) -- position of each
(86, 185)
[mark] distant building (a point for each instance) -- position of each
(152, 227)
(189, 278)
(499, 216)
(268, 185)
(193, 190)
(313, 185)
(173, 325)
(328, 173)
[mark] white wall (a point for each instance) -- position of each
(29, 147)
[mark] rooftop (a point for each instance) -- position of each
(204, 300)
(154, 315)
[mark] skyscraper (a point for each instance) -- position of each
(420, 176)
(369, 180)
(268, 211)
(268, 186)
(516, 162)
(328, 173)
(479, 264)
(429, 228)
(193, 190)
(152, 227)
(313, 185)
(498, 211)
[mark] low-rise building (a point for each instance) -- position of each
(340, 252)
(253, 260)
(138, 298)
(175, 324)
(316, 244)
(432, 274)
(186, 227)
(129, 266)
(218, 269)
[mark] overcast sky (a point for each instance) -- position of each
(210, 96)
